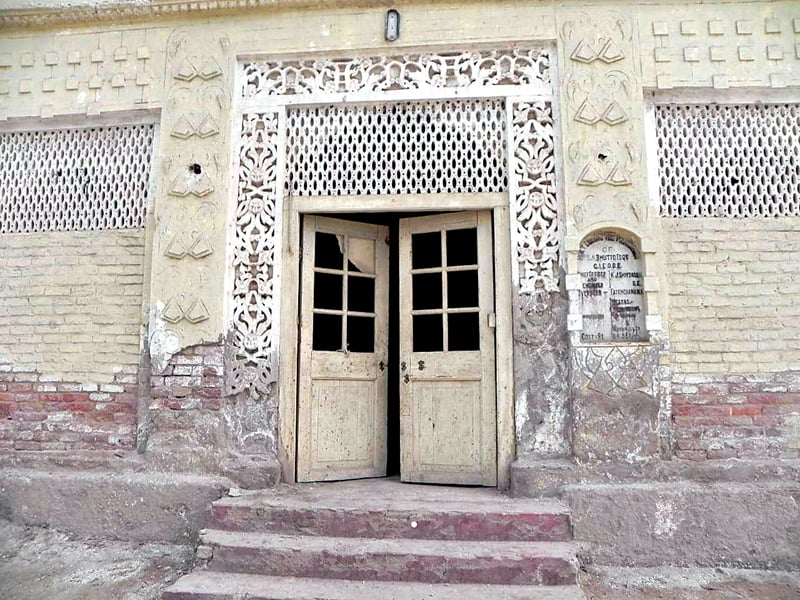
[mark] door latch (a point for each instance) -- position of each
(406, 378)
(421, 365)
(381, 365)
(403, 366)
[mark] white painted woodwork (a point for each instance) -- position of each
(447, 399)
(70, 179)
(342, 395)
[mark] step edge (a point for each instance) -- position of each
(267, 540)
(217, 580)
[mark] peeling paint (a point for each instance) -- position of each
(541, 377)
(164, 343)
(665, 525)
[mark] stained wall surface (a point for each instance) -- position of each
(70, 338)
(735, 339)
(613, 59)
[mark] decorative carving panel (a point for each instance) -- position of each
(254, 256)
(454, 146)
(412, 145)
(423, 71)
(45, 75)
(737, 47)
(535, 206)
(601, 93)
(615, 370)
(75, 179)
(729, 161)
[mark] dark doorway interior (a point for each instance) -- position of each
(392, 221)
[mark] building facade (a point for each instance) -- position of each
(521, 243)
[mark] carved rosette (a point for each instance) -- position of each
(252, 363)
(534, 201)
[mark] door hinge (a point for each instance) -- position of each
(492, 320)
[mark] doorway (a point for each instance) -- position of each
(396, 368)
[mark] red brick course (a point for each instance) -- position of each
(37, 413)
(192, 380)
(737, 416)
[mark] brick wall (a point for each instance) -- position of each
(71, 307)
(734, 328)
(192, 380)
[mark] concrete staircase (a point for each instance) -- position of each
(379, 539)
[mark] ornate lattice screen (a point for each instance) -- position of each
(398, 148)
(729, 161)
(387, 124)
(74, 179)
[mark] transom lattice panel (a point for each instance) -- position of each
(729, 161)
(74, 179)
(440, 147)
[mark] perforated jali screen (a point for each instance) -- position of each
(74, 179)
(729, 161)
(454, 146)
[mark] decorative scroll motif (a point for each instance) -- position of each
(737, 161)
(346, 150)
(615, 370)
(535, 204)
(254, 255)
(600, 99)
(186, 306)
(75, 179)
(590, 39)
(389, 73)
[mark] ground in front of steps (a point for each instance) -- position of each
(40, 563)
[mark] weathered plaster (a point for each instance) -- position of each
(163, 342)
(541, 376)
(615, 403)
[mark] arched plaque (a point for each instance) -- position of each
(612, 290)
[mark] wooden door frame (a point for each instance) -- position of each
(295, 207)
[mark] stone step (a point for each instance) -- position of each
(428, 561)
(209, 585)
(476, 519)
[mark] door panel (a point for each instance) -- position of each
(343, 351)
(447, 389)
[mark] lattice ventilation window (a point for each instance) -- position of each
(74, 179)
(398, 148)
(729, 161)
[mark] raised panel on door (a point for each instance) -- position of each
(447, 379)
(342, 395)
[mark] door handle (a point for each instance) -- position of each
(406, 378)
(403, 366)
(381, 365)
(421, 365)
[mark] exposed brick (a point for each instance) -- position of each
(746, 410)
(754, 425)
(691, 454)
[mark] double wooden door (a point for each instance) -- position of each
(446, 348)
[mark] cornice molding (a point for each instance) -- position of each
(12, 19)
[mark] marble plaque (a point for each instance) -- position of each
(612, 292)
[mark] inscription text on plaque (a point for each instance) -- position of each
(612, 290)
